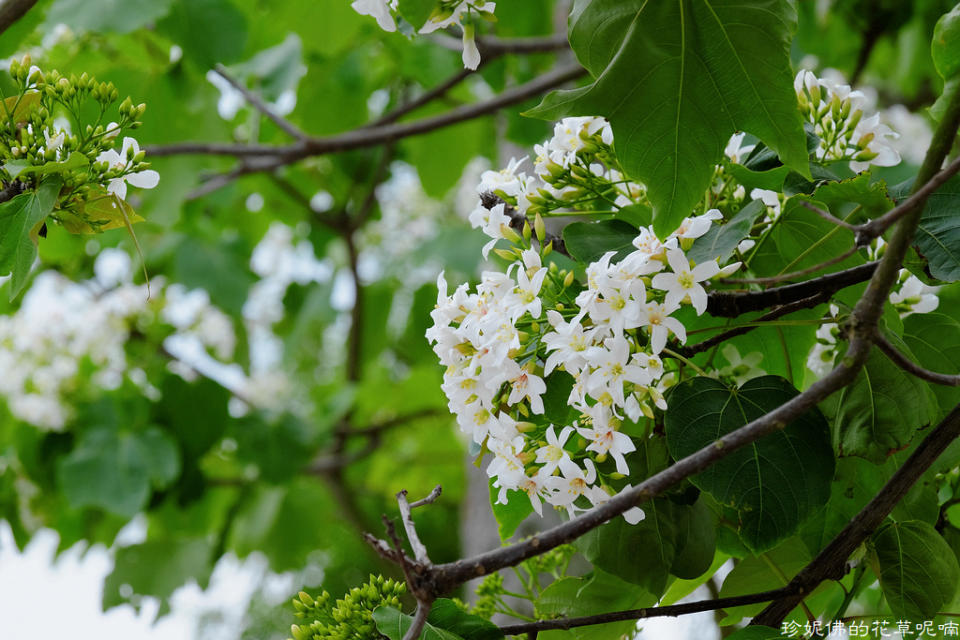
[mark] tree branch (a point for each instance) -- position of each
(795, 274)
(779, 312)
(419, 550)
(912, 367)
(370, 137)
(648, 612)
(730, 304)
(829, 563)
(491, 47)
(261, 106)
(13, 10)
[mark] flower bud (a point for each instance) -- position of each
(540, 228)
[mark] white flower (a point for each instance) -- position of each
(741, 368)
(146, 179)
(568, 341)
(684, 283)
(379, 9)
(553, 456)
(914, 296)
(657, 317)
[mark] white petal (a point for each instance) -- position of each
(146, 179)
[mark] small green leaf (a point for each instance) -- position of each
(770, 179)
(446, 615)
(696, 540)
(934, 338)
(588, 241)
(721, 240)
(917, 569)
(938, 235)
(945, 47)
(118, 16)
(510, 515)
(20, 219)
(394, 625)
(773, 484)
(157, 568)
(416, 12)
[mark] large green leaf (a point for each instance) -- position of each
(696, 541)
(394, 625)
(119, 16)
(208, 31)
(934, 338)
(510, 515)
(597, 593)
(721, 240)
(756, 633)
(917, 569)
(20, 221)
(682, 78)
(774, 483)
(938, 236)
(445, 614)
(879, 412)
(115, 471)
(608, 545)
(945, 47)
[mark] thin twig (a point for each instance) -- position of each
(425, 98)
(492, 47)
(647, 612)
(829, 217)
(869, 230)
(783, 277)
(430, 499)
(371, 137)
(396, 421)
(912, 367)
(257, 102)
(779, 312)
(419, 549)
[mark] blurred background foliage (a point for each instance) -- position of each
(330, 401)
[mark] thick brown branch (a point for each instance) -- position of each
(649, 612)
(13, 10)
(257, 102)
(370, 137)
(730, 304)
(912, 367)
(829, 563)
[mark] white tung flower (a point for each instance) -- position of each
(684, 283)
(146, 179)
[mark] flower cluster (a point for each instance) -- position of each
(68, 337)
(43, 134)
(909, 295)
(575, 170)
(349, 618)
(837, 115)
(531, 324)
(445, 14)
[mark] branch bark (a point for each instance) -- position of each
(13, 10)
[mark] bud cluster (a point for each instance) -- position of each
(45, 131)
(837, 115)
(349, 618)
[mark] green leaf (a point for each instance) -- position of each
(776, 482)
(696, 540)
(945, 46)
(651, 545)
(394, 625)
(588, 241)
(914, 584)
(721, 240)
(934, 338)
(879, 412)
(274, 70)
(510, 515)
(157, 568)
(23, 167)
(770, 179)
(115, 471)
(416, 12)
(556, 409)
(938, 236)
(683, 78)
(209, 31)
(20, 220)
(597, 593)
(118, 16)
(446, 615)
